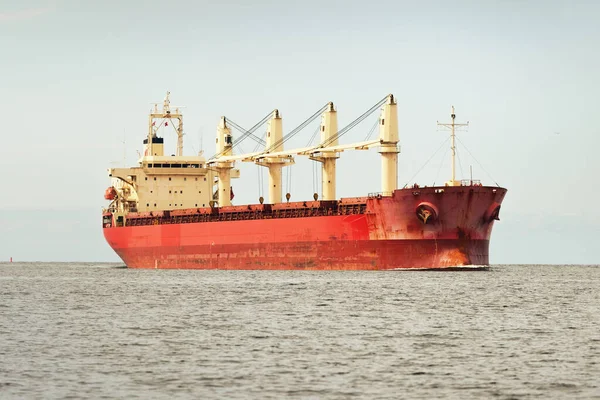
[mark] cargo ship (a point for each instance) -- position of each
(176, 211)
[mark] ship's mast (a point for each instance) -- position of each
(165, 114)
(452, 126)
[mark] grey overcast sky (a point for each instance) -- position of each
(77, 79)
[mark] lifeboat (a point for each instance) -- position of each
(110, 193)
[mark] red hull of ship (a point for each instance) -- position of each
(388, 235)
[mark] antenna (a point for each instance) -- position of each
(452, 127)
(167, 103)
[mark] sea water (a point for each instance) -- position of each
(104, 331)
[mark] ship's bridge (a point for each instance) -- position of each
(173, 162)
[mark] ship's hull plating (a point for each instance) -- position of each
(392, 234)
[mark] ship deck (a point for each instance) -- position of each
(299, 209)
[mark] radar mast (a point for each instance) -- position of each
(452, 126)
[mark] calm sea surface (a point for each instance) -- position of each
(99, 331)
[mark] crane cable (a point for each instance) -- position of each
(244, 136)
(312, 138)
(258, 144)
(372, 130)
(297, 129)
(352, 124)
(303, 125)
(249, 134)
(260, 180)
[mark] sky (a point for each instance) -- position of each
(78, 78)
